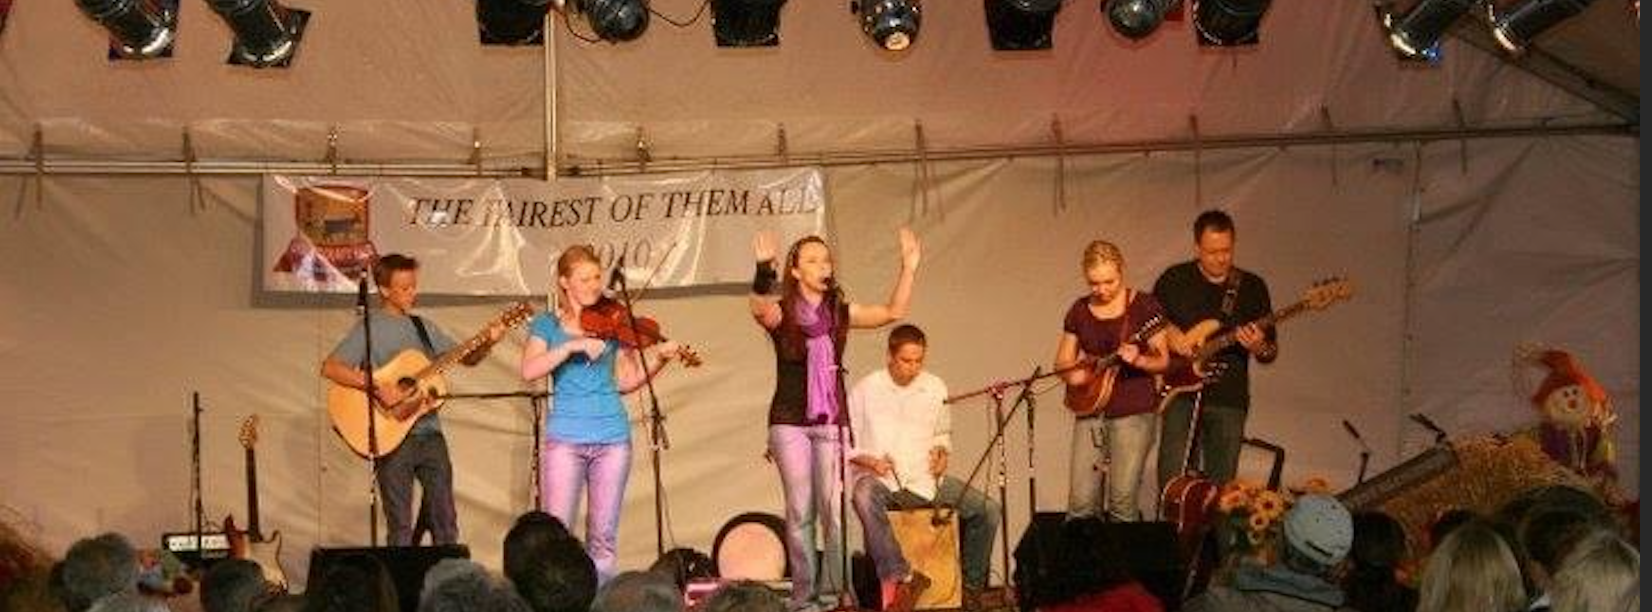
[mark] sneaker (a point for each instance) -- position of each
(906, 593)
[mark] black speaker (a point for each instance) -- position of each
(407, 565)
(1057, 560)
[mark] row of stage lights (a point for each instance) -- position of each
(267, 33)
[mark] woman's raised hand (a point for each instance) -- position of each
(763, 246)
(911, 251)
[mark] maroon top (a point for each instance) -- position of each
(1133, 392)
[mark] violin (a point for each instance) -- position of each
(610, 320)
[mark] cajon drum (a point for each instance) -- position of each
(933, 550)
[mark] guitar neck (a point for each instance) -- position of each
(1230, 337)
(452, 356)
(252, 495)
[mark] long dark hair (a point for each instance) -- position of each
(791, 334)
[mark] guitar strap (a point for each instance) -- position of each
(1230, 295)
(424, 336)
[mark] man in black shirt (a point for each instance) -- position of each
(1210, 287)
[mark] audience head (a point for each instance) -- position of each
(1595, 574)
(231, 585)
(743, 596)
(638, 592)
(461, 585)
(1547, 535)
(129, 601)
(1318, 532)
(1446, 522)
(95, 568)
(552, 572)
(1379, 549)
(683, 565)
(353, 583)
(1474, 569)
(279, 602)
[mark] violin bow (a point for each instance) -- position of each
(636, 296)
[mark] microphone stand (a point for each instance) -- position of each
(996, 391)
(658, 439)
(372, 424)
(845, 439)
(195, 477)
(536, 400)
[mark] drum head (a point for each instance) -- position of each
(751, 546)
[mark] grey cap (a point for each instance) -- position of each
(1320, 529)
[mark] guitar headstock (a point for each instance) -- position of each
(249, 431)
(1326, 292)
(516, 314)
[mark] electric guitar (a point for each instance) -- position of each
(250, 543)
(1089, 399)
(422, 386)
(1187, 374)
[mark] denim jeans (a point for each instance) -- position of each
(1123, 443)
(567, 467)
(808, 457)
(1221, 432)
(421, 457)
(978, 522)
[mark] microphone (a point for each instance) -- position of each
(361, 293)
(1427, 423)
(617, 277)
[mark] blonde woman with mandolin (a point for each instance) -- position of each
(1112, 341)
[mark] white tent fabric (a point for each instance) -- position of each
(122, 295)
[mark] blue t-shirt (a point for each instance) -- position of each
(392, 334)
(585, 404)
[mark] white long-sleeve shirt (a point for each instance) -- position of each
(901, 423)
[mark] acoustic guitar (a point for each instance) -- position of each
(1089, 399)
(250, 543)
(422, 386)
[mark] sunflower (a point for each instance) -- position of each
(1259, 522)
(1232, 500)
(1269, 504)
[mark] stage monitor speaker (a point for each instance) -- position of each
(407, 565)
(1055, 561)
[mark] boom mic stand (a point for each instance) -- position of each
(996, 391)
(536, 400)
(658, 439)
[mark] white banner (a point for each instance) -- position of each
(502, 237)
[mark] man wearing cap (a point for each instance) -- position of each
(1318, 532)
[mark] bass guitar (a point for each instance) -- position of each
(1189, 368)
(422, 386)
(1089, 399)
(250, 543)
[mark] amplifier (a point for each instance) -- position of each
(213, 546)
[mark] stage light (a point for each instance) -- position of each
(893, 24)
(1517, 27)
(1018, 25)
(266, 33)
(1416, 33)
(1136, 19)
(615, 20)
(511, 22)
(1228, 22)
(138, 29)
(746, 23)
